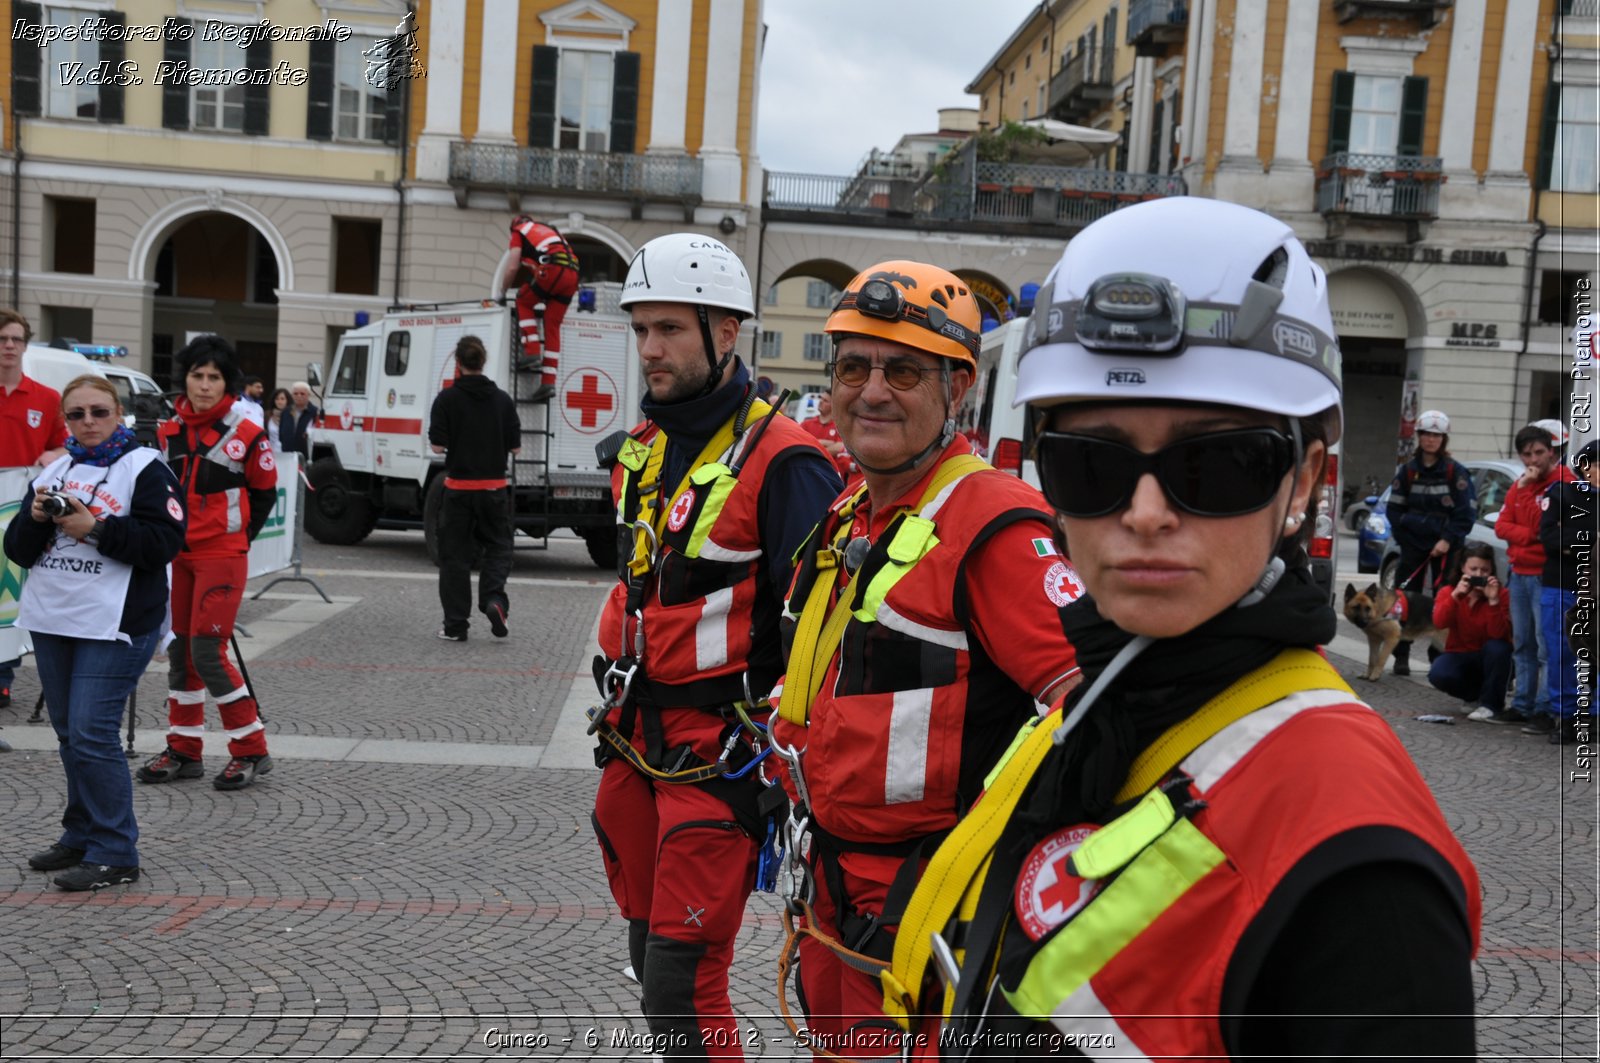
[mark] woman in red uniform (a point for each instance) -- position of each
(225, 464)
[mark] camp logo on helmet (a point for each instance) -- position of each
(1124, 377)
(707, 245)
(1294, 339)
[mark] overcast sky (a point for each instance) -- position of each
(841, 77)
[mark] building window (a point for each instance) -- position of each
(358, 106)
(1375, 115)
(771, 346)
(356, 247)
(1558, 297)
(583, 106)
(816, 347)
(772, 295)
(820, 295)
(1572, 159)
(217, 107)
(70, 225)
(65, 97)
(74, 323)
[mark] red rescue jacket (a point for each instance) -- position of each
(228, 473)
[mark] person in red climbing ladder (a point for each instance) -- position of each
(546, 275)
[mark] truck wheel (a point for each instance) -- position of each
(335, 514)
(602, 543)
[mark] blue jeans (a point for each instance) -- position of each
(1562, 671)
(1476, 676)
(86, 684)
(1532, 694)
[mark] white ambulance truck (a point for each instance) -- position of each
(370, 458)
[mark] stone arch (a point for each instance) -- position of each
(1416, 318)
(166, 221)
(995, 297)
(831, 270)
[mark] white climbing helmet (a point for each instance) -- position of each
(688, 268)
(1185, 299)
(1557, 431)
(1433, 421)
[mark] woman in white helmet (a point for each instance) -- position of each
(1218, 850)
(1432, 504)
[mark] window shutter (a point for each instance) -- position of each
(1090, 74)
(624, 101)
(1548, 128)
(1413, 115)
(1344, 92)
(1156, 116)
(394, 110)
(113, 50)
(25, 60)
(319, 100)
(1108, 38)
(175, 98)
(542, 104)
(257, 97)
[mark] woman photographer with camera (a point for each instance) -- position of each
(103, 523)
(1476, 663)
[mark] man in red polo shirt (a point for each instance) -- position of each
(31, 429)
(825, 431)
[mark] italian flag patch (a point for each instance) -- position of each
(1044, 547)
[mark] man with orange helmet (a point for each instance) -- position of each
(925, 625)
(546, 269)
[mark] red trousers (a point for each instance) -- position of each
(544, 301)
(844, 1007)
(206, 592)
(681, 869)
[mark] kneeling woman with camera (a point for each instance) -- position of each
(1476, 663)
(102, 525)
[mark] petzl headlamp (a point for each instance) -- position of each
(1131, 312)
(880, 299)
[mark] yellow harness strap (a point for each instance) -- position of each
(820, 628)
(650, 514)
(948, 890)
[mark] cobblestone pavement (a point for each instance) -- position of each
(439, 895)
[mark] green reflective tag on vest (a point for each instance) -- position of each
(1114, 845)
(1154, 882)
(721, 483)
(911, 543)
(633, 454)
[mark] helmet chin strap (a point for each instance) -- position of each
(717, 367)
(1273, 572)
(940, 441)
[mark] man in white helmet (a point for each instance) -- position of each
(1432, 505)
(715, 493)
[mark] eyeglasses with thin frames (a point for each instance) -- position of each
(902, 374)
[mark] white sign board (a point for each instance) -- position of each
(13, 640)
(274, 547)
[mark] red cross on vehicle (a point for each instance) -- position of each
(590, 400)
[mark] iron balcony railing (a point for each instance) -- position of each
(1147, 15)
(992, 193)
(1580, 8)
(1381, 186)
(591, 173)
(1077, 85)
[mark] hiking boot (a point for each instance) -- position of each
(96, 876)
(1564, 733)
(497, 620)
(542, 392)
(1541, 724)
(168, 765)
(241, 772)
(56, 858)
(451, 636)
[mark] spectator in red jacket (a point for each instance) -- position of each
(1539, 446)
(1476, 662)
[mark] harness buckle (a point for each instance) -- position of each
(619, 681)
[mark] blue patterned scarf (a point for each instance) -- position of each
(103, 454)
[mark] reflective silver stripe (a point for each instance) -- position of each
(234, 695)
(711, 630)
(905, 773)
(955, 640)
(187, 732)
(1219, 753)
(1092, 1029)
(241, 732)
(187, 697)
(235, 511)
(710, 551)
(938, 500)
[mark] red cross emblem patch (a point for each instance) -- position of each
(235, 449)
(1061, 584)
(680, 511)
(1047, 894)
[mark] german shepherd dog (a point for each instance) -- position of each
(1386, 617)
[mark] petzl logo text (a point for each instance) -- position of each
(1124, 377)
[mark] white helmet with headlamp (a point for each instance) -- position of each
(1185, 299)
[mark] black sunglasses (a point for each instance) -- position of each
(902, 374)
(99, 413)
(1221, 474)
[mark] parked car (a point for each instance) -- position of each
(142, 399)
(1372, 534)
(1492, 479)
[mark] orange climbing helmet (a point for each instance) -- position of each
(913, 303)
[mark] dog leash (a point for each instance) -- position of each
(1425, 562)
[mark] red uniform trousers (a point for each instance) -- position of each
(843, 1006)
(681, 869)
(543, 301)
(206, 592)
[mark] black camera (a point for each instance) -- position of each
(1477, 581)
(55, 504)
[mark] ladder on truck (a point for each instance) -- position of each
(530, 465)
